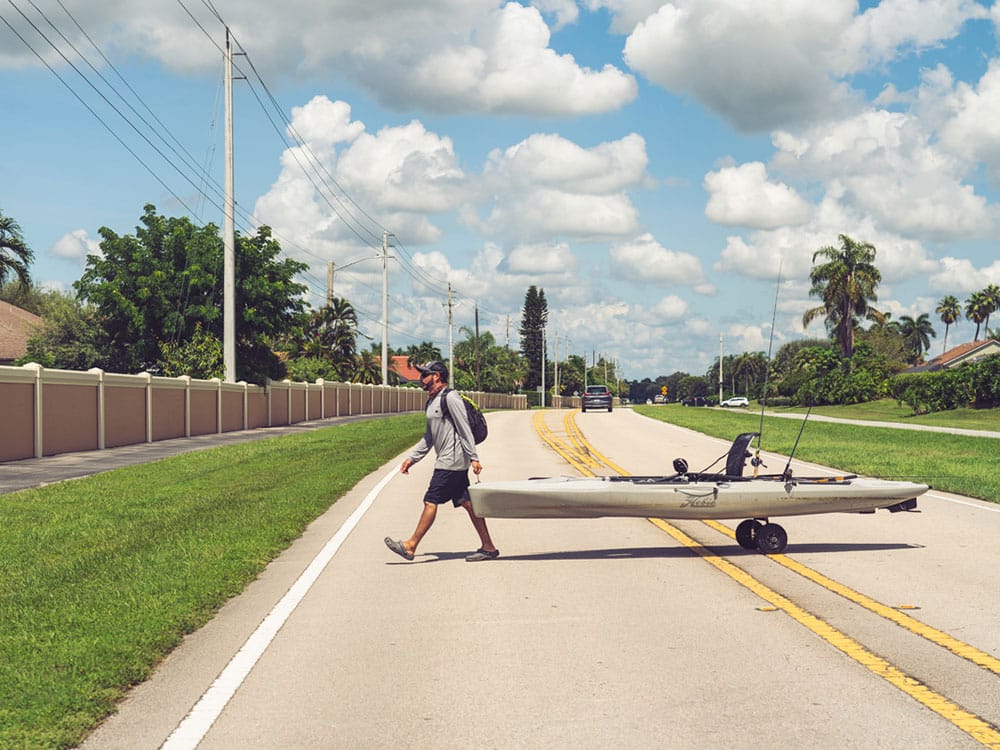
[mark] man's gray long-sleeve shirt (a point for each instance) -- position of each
(455, 447)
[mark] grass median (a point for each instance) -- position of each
(952, 463)
(101, 577)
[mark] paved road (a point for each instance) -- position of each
(585, 633)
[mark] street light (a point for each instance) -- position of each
(329, 274)
(384, 256)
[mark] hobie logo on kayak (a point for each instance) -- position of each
(706, 500)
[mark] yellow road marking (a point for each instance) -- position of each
(968, 722)
(971, 653)
(971, 724)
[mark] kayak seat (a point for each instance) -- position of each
(738, 454)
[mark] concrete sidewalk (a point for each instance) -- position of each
(39, 472)
(890, 425)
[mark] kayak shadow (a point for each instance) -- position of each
(677, 553)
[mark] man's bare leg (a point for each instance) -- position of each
(486, 543)
(427, 517)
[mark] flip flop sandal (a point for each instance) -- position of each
(397, 547)
(480, 554)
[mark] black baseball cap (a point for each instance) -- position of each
(434, 366)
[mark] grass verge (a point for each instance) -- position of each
(101, 577)
(953, 463)
(889, 410)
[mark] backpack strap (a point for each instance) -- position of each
(444, 406)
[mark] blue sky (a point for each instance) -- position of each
(650, 165)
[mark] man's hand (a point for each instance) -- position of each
(476, 467)
(405, 468)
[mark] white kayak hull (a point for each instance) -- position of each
(661, 497)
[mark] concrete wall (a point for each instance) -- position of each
(46, 412)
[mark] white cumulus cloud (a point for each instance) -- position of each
(743, 196)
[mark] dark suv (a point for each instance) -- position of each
(597, 397)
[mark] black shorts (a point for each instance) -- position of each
(448, 485)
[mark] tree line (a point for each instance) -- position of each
(152, 301)
(854, 364)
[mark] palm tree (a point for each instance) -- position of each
(425, 351)
(367, 369)
(991, 295)
(15, 255)
(340, 322)
(950, 311)
(916, 334)
(846, 283)
(751, 367)
(976, 310)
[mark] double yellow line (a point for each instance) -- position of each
(585, 459)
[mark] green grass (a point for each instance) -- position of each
(888, 410)
(953, 463)
(101, 577)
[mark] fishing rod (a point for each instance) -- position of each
(787, 473)
(756, 461)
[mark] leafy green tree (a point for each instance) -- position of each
(917, 335)
(693, 385)
(534, 316)
(977, 310)
(26, 296)
(886, 342)
(200, 356)
(751, 368)
(571, 375)
(69, 337)
(846, 283)
(418, 354)
(311, 369)
(15, 255)
(950, 311)
(157, 286)
(500, 370)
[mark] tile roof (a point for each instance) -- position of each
(400, 367)
(16, 325)
(961, 351)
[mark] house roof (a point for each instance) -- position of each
(957, 354)
(16, 325)
(399, 366)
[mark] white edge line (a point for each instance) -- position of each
(981, 505)
(192, 730)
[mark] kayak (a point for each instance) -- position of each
(680, 497)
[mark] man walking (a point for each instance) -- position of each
(455, 448)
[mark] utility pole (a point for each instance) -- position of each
(229, 233)
(543, 367)
(385, 306)
(478, 384)
(329, 284)
(556, 391)
(451, 350)
(720, 368)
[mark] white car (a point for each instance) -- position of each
(736, 401)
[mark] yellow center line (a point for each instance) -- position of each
(971, 653)
(977, 728)
(968, 722)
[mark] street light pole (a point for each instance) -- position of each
(229, 232)
(385, 306)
